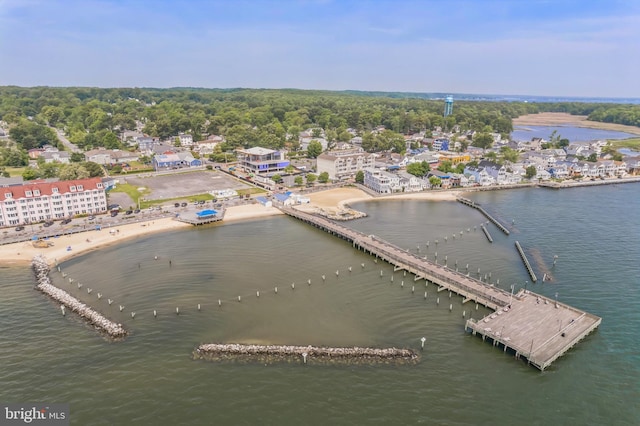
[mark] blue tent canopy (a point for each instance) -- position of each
(206, 213)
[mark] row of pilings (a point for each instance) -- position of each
(304, 354)
(477, 206)
(527, 265)
(41, 270)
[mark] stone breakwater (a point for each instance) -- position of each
(41, 270)
(304, 354)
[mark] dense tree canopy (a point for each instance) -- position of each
(95, 117)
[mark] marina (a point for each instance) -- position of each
(525, 323)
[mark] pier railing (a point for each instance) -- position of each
(447, 278)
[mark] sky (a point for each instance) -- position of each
(585, 48)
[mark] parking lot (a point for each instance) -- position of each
(177, 185)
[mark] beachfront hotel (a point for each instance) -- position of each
(39, 201)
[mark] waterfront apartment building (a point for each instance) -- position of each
(344, 164)
(261, 161)
(39, 201)
(381, 181)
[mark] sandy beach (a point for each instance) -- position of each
(22, 252)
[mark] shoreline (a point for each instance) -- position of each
(335, 199)
(559, 119)
(22, 253)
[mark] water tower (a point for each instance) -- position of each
(448, 106)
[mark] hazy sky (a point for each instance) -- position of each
(533, 47)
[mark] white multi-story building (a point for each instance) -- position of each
(344, 164)
(381, 181)
(39, 201)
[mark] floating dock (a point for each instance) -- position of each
(478, 207)
(527, 323)
(41, 269)
(304, 354)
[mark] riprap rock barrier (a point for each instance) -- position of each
(304, 354)
(41, 270)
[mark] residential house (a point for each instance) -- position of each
(146, 143)
(445, 178)
(411, 183)
(478, 176)
(440, 144)
(186, 140)
(175, 160)
(454, 157)
(208, 145)
(56, 157)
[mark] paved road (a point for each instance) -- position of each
(66, 142)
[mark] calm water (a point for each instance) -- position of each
(574, 134)
(151, 378)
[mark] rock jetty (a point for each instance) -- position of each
(304, 354)
(41, 270)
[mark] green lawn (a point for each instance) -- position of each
(15, 171)
(131, 191)
(251, 191)
(633, 143)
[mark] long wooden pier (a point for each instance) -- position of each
(527, 324)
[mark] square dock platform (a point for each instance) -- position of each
(535, 327)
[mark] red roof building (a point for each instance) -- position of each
(38, 201)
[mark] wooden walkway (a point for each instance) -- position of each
(527, 324)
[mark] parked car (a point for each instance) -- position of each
(176, 205)
(201, 202)
(65, 221)
(114, 213)
(48, 223)
(136, 211)
(129, 212)
(92, 217)
(184, 204)
(19, 228)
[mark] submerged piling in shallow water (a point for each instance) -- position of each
(41, 270)
(275, 353)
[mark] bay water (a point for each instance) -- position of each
(573, 134)
(152, 378)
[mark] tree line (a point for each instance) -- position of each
(95, 117)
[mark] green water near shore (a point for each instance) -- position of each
(151, 377)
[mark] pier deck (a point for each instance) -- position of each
(529, 324)
(535, 328)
